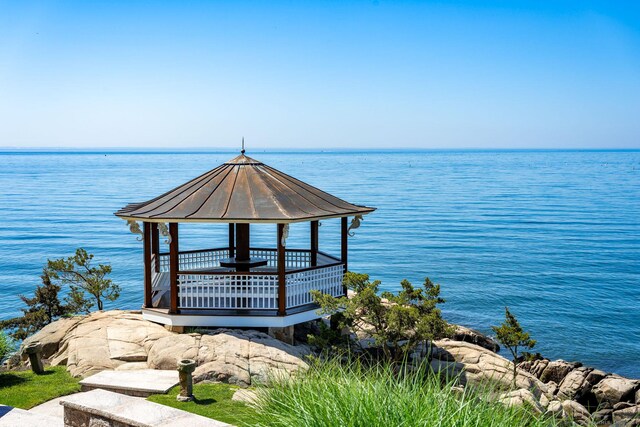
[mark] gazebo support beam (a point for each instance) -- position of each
(232, 240)
(147, 237)
(282, 284)
(242, 241)
(314, 243)
(343, 247)
(155, 244)
(173, 268)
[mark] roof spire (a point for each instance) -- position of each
(242, 151)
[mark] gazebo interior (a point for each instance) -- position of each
(235, 283)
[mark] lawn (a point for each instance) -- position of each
(25, 389)
(212, 401)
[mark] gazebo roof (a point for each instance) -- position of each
(242, 190)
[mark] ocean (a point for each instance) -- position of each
(553, 235)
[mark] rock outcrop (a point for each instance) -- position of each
(462, 333)
(476, 365)
(606, 398)
(123, 340)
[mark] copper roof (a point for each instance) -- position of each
(242, 190)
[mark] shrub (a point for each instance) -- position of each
(396, 322)
(7, 346)
(512, 336)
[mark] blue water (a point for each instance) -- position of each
(555, 235)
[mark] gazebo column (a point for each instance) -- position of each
(314, 243)
(282, 284)
(173, 268)
(155, 244)
(147, 238)
(242, 241)
(232, 240)
(343, 247)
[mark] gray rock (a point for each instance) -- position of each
(638, 396)
(472, 336)
(521, 397)
(602, 416)
(627, 415)
(574, 384)
(614, 389)
(556, 371)
(51, 336)
(555, 409)
(535, 367)
(576, 412)
(476, 365)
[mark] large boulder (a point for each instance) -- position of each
(556, 370)
(462, 333)
(123, 340)
(476, 365)
(628, 416)
(614, 389)
(521, 397)
(535, 367)
(236, 357)
(576, 412)
(50, 336)
(575, 384)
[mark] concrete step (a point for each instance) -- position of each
(142, 383)
(14, 417)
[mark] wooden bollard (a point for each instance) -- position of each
(185, 369)
(34, 350)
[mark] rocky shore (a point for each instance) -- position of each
(122, 340)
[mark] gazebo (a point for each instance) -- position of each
(238, 285)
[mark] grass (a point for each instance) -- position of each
(330, 394)
(25, 389)
(212, 401)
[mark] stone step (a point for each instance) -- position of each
(142, 383)
(14, 417)
(101, 407)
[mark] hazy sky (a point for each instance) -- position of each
(188, 74)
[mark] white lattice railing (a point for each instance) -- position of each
(208, 291)
(255, 291)
(327, 280)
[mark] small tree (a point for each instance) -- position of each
(42, 309)
(396, 322)
(511, 335)
(83, 278)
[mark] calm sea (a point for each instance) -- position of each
(554, 235)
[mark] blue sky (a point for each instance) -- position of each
(308, 75)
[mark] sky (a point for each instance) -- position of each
(320, 75)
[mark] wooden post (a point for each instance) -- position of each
(232, 240)
(343, 249)
(155, 244)
(242, 241)
(173, 267)
(314, 243)
(282, 284)
(146, 237)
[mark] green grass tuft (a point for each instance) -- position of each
(330, 394)
(25, 389)
(212, 401)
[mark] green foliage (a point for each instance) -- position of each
(84, 279)
(212, 401)
(7, 346)
(25, 389)
(396, 322)
(42, 309)
(512, 336)
(334, 394)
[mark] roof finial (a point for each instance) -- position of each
(242, 151)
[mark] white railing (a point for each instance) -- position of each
(206, 259)
(256, 291)
(327, 280)
(208, 291)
